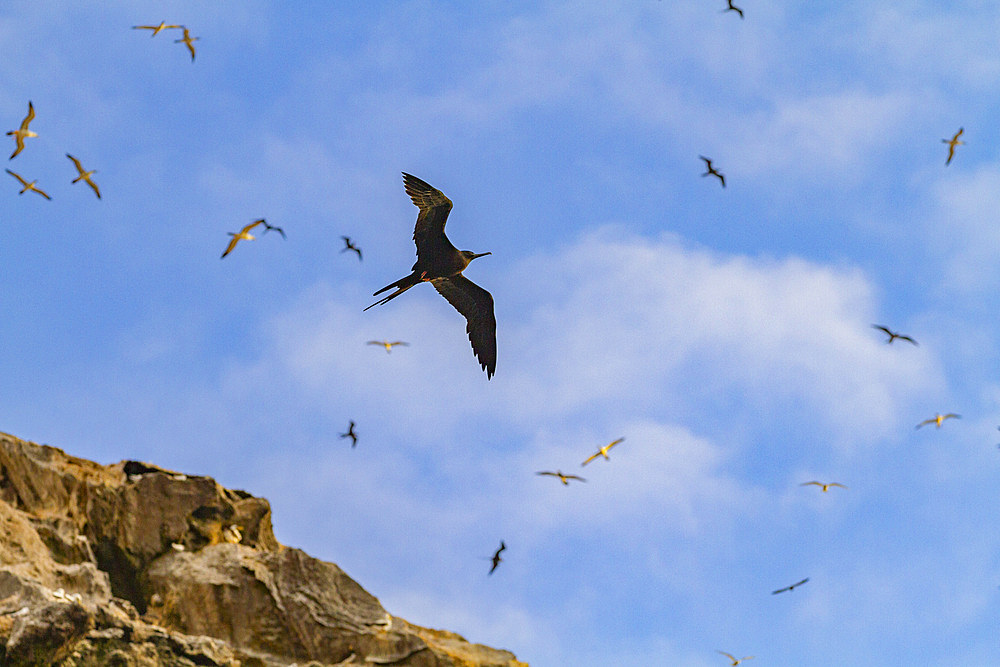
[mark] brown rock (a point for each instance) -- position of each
(91, 573)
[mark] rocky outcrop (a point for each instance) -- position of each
(133, 565)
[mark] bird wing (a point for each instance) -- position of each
(79, 167)
(808, 483)
(926, 422)
(428, 233)
(838, 484)
(476, 305)
(251, 226)
(882, 328)
(547, 472)
(18, 177)
(951, 414)
(958, 134)
(907, 338)
(399, 342)
(232, 244)
(728, 655)
(575, 477)
(97, 190)
(30, 117)
(612, 444)
(41, 192)
(781, 590)
(799, 583)
(591, 458)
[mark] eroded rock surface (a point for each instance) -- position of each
(133, 565)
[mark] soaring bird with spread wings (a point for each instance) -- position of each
(242, 235)
(937, 419)
(603, 451)
(23, 132)
(562, 477)
(824, 486)
(892, 334)
(85, 175)
(790, 588)
(27, 185)
(734, 659)
(441, 264)
(952, 143)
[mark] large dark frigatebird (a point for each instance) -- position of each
(441, 264)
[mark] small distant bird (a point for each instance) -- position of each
(351, 434)
(349, 245)
(242, 235)
(603, 451)
(825, 487)
(790, 588)
(712, 171)
(952, 143)
(892, 334)
(27, 185)
(189, 40)
(84, 175)
(496, 557)
(937, 419)
(23, 132)
(441, 264)
(735, 660)
(733, 8)
(387, 345)
(268, 228)
(156, 28)
(562, 478)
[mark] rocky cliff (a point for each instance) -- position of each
(131, 564)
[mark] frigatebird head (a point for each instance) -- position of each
(469, 255)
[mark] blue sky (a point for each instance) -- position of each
(725, 333)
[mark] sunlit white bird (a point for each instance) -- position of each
(938, 418)
(84, 175)
(603, 451)
(242, 235)
(22, 132)
(27, 185)
(387, 345)
(824, 486)
(734, 659)
(156, 28)
(952, 143)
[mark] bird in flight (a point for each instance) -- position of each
(387, 345)
(156, 28)
(892, 334)
(952, 143)
(441, 264)
(790, 588)
(349, 245)
(84, 175)
(496, 557)
(825, 487)
(937, 419)
(735, 660)
(603, 451)
(712, 170)
(27, 185)
(268, 228)
(22, 132)
(351, 434)
(242, 235)
(189, 40)
(562, 478)
(733, 8)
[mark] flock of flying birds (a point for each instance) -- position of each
(441, 264)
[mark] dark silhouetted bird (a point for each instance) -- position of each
(268, 228)
(496, 557)
(952, 143)
(712, 171)
(22, 132)
(892, 334)
(790, 588)
(441, 264)
(733, 8)
(351, 434)
(562, 478)
(349, 245)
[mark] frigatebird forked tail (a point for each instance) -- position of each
(441, 264)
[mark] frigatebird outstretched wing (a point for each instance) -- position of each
(428, 232)
(476, 305)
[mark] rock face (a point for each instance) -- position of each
(133, 565)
